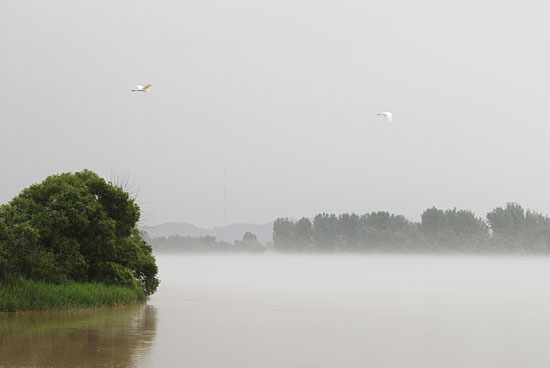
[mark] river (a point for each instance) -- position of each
(275, 311)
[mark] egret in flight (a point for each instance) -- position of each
(386, 115)
(144, 88)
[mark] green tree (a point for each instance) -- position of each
(507, 223)
(303, 234)
(77, 227)
(326, 233)
(387, 232)
(453, 229)
(249, 243)
(517, 229)
(283, 234)
(3, 250)
(350, 230)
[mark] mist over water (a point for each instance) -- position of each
(352, 311)
(306, 311)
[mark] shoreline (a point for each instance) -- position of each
(24, 295)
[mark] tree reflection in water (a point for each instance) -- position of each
(118, 337)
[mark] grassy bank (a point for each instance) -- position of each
(24, 294)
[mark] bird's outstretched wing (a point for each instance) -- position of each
(386, 115)
(145, 87)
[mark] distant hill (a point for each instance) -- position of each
(229, 233)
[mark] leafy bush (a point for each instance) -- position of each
(75, 227)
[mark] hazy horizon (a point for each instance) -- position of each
(284, 95)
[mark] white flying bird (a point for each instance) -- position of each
(144, 88)
(386, 115)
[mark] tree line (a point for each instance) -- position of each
(205, 244)
(505, 229)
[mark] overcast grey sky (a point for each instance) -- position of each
(285, 95)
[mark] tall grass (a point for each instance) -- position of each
(23, 294)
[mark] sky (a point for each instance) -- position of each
(284, 95)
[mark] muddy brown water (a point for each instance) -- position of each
(306, 311)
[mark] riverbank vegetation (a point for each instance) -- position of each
(23, 294)
(73, 234)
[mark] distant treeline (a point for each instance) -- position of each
(205, 244)
(504, 229)
(507, 229)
